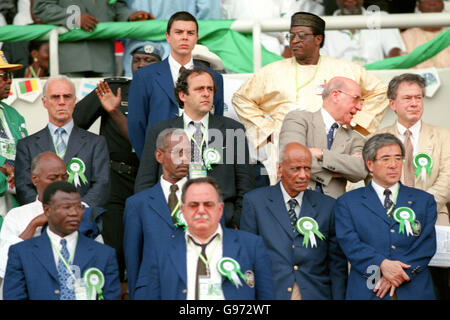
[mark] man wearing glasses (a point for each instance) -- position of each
(336, 149)
(263, 101)
(12, 128)
(386, 229)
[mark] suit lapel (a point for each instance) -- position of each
(320, 136)
(158, 202)
(231, 249)
(373, 203)
(77, 139)
(44, 254)
(165, 81)
(178, 256)
(308, 206)
(84, 252)
(277, 208)
(341, 139)
(404, 199)
(44, 140)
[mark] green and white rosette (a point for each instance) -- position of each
(181, 222)
(308, 227)
(76, 169)
(405, 217)
(95, 281)
(422, 163)
(230, 268)
(211, 156)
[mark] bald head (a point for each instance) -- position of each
(342, 99)
(46, 168)
(294, 168)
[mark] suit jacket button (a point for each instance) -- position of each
(184, 291)
(295, 268)
(173, 236)
(293, 246)
(393, 247)
(56, 291)
(289, 289)
(392, 230)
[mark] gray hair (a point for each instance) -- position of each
(405, 77)
(57, 78)
(162, 141)
(378, 141)
(208, 180)
(35, 163)
(336, 84)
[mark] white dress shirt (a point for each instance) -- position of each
(287, 197)
(72, 240)
(328, 121)
(16, 221)
(415, 134)
(175, 68)
(165, 185)
(214, 252)
(380, 192)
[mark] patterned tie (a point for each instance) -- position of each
(292, 216)
(60, 144)
(408, 170)
(330, 135)
(387, 200)
(64, 275)
(202, 269)
(330, 139)
(173, 200)
(198, 137)
(3, 135)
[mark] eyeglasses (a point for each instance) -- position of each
(301, 36)
(356, 98)
(57, 97)
(6, 75)
(387, 160)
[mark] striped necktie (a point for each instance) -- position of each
(60, 144)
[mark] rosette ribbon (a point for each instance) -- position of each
(405, 217)
(423, 163)
(76, 169)
(95, 281)
(181, 222)
(211, 156)
(308, 227)
(230, 268)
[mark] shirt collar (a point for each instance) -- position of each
(415, 129)
(68, 127)
(287, 197)
(176, 66)
(166, 184)
(328, 119)
(218, 231)
(57, 239)
(204, 120)
(380, 190)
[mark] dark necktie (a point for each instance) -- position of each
(387, 200)
(196, 146)
(173, 201)
(292, 216)
(3, 135)
(408, 170)
(330, 135)
(202, 268)
(64, 276)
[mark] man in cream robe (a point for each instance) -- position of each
(263, 101)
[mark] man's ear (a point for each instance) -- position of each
(159, 156)
(34, 179)
(46, 210)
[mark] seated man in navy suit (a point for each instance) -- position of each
(150, 216)
(151, 96)
(61, 264)
(208, 261)
(297, 226)
(386, 229)
(85, 154)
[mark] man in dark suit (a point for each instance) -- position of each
(51, 266)
(281, 214)
(219, 145)
(150, 215)
(386, 229)
(85, 154)
(208, 261)
(151, 96)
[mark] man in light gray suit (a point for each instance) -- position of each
(336, 149)
(84, 153)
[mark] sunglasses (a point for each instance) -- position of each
(6, 75)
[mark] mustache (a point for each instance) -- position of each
(201, 216)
